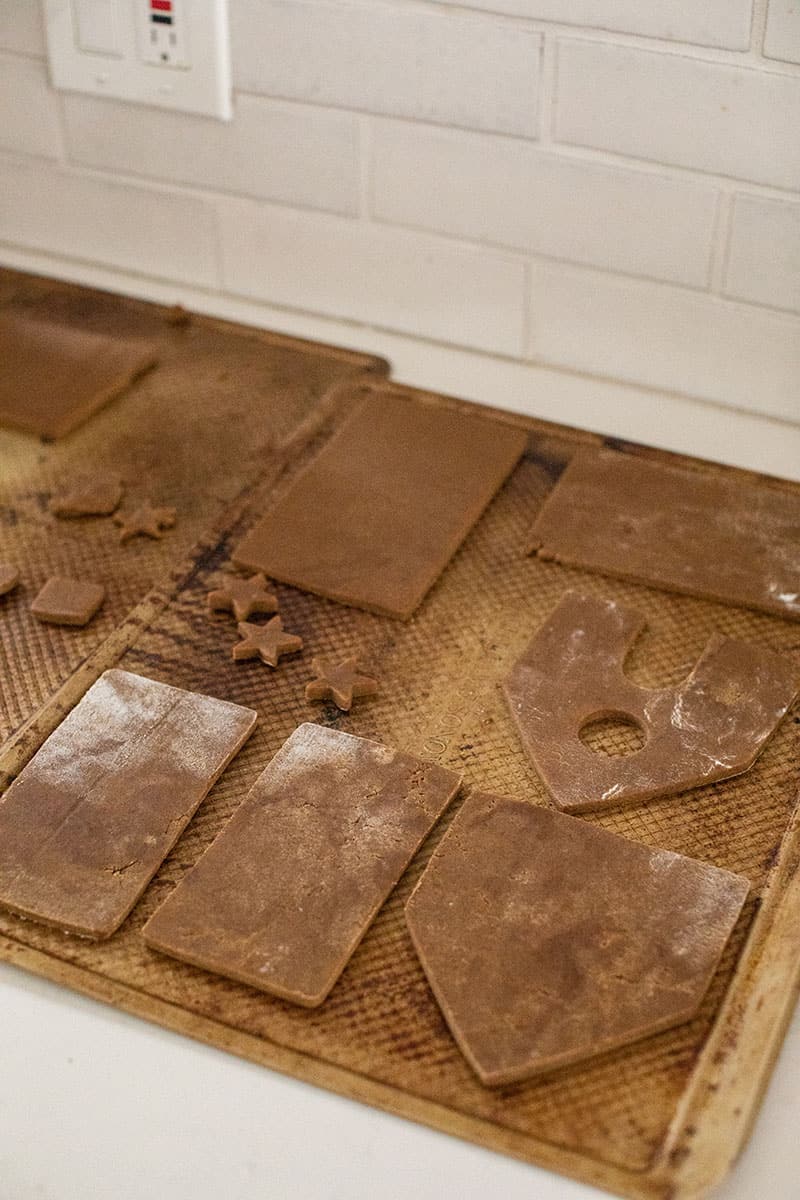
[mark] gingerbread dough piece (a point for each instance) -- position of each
(9, 578)
(145, 521)
(378, 514)
(267, 642)
(711, 726)
(89, 820)
(97, 495)
(708, 535)
(547, 941)
(68, 601)
(54, 377)
(243, 597)
(340, 682)
(284, 895)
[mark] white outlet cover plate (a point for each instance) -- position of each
(199, 83)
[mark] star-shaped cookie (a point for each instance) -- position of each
(340, 682)
(243, 597)
(145, 521)
(267, 642)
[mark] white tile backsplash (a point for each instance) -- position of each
(609, 186)
(723, 23)
(447, 67)
(497, 190)
(291, 153)
(154, 233)
(29, 120)
(782, 32)
(378, 276)
(666, 337)
(710, 116)
(22, 26)
(764, 256)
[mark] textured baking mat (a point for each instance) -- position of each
(189, 434)
(662, 1118)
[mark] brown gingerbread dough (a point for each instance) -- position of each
(9, 578)
(342, 682)
(711, 726)
(547, 941)
(380, 511)
(284, 895)
(89, 820)
(55, 376)
(697, 532)
(268, 642)
(242, 597)
(95, 495)
(65, 601)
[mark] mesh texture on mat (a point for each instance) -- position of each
(189, 435)
(440, 698)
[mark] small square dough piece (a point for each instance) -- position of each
(284, 895)
(547, 940)
(381, 510)
(95, 495)
(54, 376)
(68, 601)
(88, 822)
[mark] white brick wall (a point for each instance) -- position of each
(292, 153)
(704, 22)
(606, 187)
(782, 33)
(709, 116)
(381, 276)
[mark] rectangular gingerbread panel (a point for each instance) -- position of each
(702, 533)
(284, 895)
(378, 514)
(54, 377)
(88, 822)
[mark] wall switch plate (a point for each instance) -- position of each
(168, 53)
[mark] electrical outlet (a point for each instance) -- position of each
(163, 33)
(168, 53)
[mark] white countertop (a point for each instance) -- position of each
(97, 1104)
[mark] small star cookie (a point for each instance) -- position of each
(144, 521)
(243, 597)
(267, 642)
(340, 682)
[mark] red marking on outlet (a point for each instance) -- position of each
(161, 5)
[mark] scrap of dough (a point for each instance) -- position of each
(144, 521)
(547, 941)
(65, 601)
(705, 533)
(86, 824)
(9, 578)
(287, 890)
(711, 726)
(340, 682)
(377, 515)
(267, 642)
(243, 597)
(97, 495)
